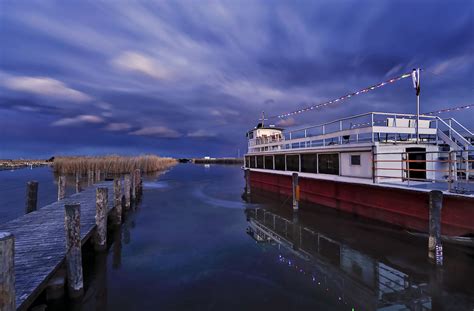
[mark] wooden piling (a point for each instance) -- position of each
(31, 196)
(126, 190)
(90, 177)
(117, 201)
(73, 250)
(296, 191)
(7, 272)
(139, 183)
(100, 239)
(133, 186)
(247, 181)
(435, 247)
(78, 182)
(61, 187)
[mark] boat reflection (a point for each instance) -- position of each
(335, 267)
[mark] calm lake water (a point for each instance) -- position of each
(194, 243)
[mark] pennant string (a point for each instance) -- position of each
(347, 96)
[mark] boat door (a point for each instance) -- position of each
(418, 167)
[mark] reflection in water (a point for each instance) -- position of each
(335, 267)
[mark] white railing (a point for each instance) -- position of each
(362, 128)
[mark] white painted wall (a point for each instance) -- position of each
(363, 170)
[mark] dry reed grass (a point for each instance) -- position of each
(113, 164)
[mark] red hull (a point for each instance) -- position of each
(402, 207)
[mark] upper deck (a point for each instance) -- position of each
(371, 127)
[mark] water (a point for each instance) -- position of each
(194, 244)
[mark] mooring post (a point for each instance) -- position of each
(435, 247)
(126, 190)
(247, 181)
(117, 201)
(31, 196)
(78, 182)
(90, 177)
(73, 249)
(296, 191)
(133, 186)
(100, 240)
(7, 271)
(138, 183)
(61, 187)
(97, 175)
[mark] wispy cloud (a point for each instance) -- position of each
(137, 62)
(156, 131)
(47, 87)
(202, 134)
(118, 127)
(82, 119)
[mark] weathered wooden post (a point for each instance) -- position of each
(435, 248)
(126, 190)
(296, 191)
(31, 196)
(73, 249)
(117, 201)
(100, 240)
(247, 181)
(97, 175)
(7, 271)
(61, 187)
(139, 182)
(90, 177)
(135, 183)
(78, 182)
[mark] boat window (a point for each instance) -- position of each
(251, 135)
(252, 162)
(328, 163)
(309, 163)
(259, 161)
(280, 162)
(355, 159)
(269, 162)
(293, 163)
(247, 161)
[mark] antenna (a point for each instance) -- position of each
(263, 118)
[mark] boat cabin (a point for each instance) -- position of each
(383, 147)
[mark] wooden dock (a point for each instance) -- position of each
(40, 241)
(35, 246)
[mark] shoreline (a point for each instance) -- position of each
(19, 164)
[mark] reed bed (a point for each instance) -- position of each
(112, 164)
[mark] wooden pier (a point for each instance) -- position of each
(42, 245)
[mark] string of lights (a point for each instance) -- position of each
(451, 109)
(342, 98)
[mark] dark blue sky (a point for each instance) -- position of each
(188, 78)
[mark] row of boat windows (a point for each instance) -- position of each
(327, 163)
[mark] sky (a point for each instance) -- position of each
(189, 78)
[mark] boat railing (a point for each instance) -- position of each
(367, 127)
(454, 168)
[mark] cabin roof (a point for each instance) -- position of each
(266, 128)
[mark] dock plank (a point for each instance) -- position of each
(40, 241)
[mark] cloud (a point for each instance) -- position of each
(45, 86)
(134, 61)
(286, 122)
(82, 119)
(201, 134)
(156, 131)
(118, 127)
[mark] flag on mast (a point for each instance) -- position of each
(415, 76)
